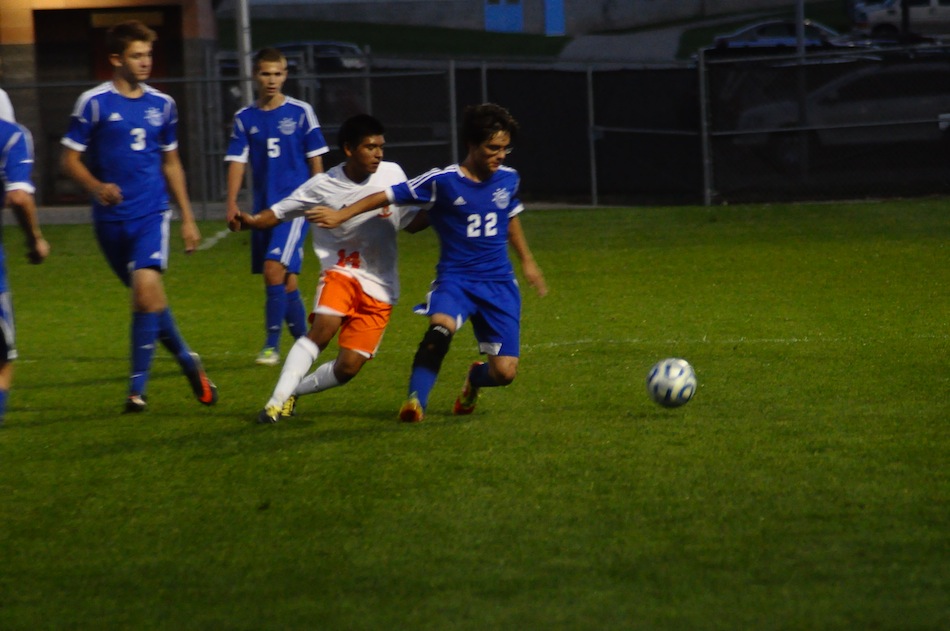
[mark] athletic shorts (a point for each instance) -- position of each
(494, 307)
(7, 330)
(282, 243)
(135, 244)
(364, 317)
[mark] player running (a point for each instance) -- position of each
(359, 281)
(474, 208)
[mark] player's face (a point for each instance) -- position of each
(367, 155)
(271, 76)
(490, 155)
(135, 64)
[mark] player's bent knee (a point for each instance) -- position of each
(433, 348)
(504, 372)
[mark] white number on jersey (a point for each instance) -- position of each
(273, 147)
(138, 139)
(476, 229)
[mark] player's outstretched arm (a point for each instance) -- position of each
(261, 221)
(326, 217)
(529, 267)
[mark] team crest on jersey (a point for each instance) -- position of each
(154, 116)
(501, 197)
(287, 126)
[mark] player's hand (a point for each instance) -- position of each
(324, 217)
(38, 253)
(190, 235)
(108, 194)
(241, 221)
(535, 278)
(232, 212)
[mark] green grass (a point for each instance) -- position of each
(806, 485)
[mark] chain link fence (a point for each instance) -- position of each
(844, 125)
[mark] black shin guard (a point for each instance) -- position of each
(433, 348)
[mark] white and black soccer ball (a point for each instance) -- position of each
(671, 382)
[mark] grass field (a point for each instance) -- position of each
(806, 486)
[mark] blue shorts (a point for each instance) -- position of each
(135, 244)
(494, 307)
(7, 330)
(282, 243)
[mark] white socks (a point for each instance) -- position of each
(299, 360)
(319, 380)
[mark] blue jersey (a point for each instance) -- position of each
(16, 172)
(278, 143)
(124, 139)
(471, 218)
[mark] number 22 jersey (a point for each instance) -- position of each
(471, 219)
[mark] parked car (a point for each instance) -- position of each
(884, 18)
(775, 33)
(326, 56)
(873, 105)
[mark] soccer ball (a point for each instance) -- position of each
(671, 382)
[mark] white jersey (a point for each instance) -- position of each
(363, 247)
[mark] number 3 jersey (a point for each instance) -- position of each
(363, 247)
(471, 219)
(124, 139)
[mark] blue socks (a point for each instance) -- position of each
(296, 315)
(274, 310)
(144, 333)
(146, 329)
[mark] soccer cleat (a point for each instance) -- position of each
(411, 411)
(205, 390)
(289, 408)
(465, 403)
(268, 357)
(135, 403)
(269, 415)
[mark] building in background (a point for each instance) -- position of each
(61, 43)
(550, 17)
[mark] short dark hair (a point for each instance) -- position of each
(271, 55)
(481, 122)
(356, 128)
(121, 35)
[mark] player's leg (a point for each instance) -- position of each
(152, 318)
(295, 314)
(283, 254)
(447, 307)
(496, 325)
(8, 351)
(360, 335)
(333, 300)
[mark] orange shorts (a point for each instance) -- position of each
(364, 317)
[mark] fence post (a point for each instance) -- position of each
(704, 129)
(591, 136)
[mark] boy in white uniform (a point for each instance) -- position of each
(359, 282)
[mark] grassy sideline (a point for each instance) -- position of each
(805, 486)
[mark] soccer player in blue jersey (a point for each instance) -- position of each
(16, 171)
(128, 133)
(473, 207)
(281, 138)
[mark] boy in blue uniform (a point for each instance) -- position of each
(473, 207)
(128, 131)
(16, 169)
(281, 138)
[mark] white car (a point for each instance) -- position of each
(883, 19)
(879, 104)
